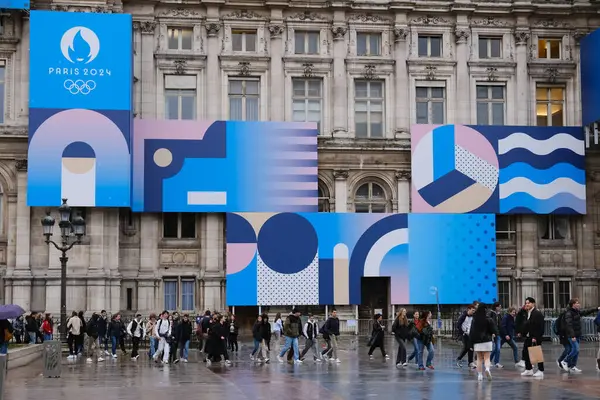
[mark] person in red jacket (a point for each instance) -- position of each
(47, 328)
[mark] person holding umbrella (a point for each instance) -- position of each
(6, 330)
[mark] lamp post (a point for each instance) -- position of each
(434, 290)
(71, 232)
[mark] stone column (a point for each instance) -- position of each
(148, 73)
(277, 83)
(149, 261)
(522, 36)
(340, 89)
(213, 260)
(24, 72)
(213, 73)
(22, 272)
(341, 190)
(403, 178)
(527, 255)
(402, 105)
(463, 114)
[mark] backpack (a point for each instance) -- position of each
(558, 324)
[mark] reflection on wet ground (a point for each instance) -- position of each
(356, 377)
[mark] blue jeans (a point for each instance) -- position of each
(514, 347)
(495, 355)
(566, 351)
(430, 354)
(47, 336)
(114, 341)
(152, 346)
(185, 349)
(293, 343)
(256, 346)
(574, 353)
(415, 352)
(4, 348)
(32, 337)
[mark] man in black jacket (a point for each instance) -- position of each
(185, 335)
(533, 332)
(572, 333)
(463, 327)
(331, 332)
(496, 317)
(103, 331)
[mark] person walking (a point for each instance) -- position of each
(74, 331)
(464, 329)
(137, 331)
(413, 337)
(31, 327)
(482, 335)
(277, 331)
(572, 334)
(92, 339)
(400, 328)
(377, 336)
(175, 338)
(18, 326)
(103, 331)
(234, 330)
(257, 337)
(265, 332)
(311, 332)
(47, 329)
(81, 337)
(292, 329)
(533, 332)
(185, 335)
(115, 331)
(6, 334)
(425, 341)
(163, 333)
(496, 317)
(508, 332)
(331, 328)
(217, 337)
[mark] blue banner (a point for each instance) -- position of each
(15, 4)
(80, 60)
(80, 109)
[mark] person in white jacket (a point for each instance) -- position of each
(163, 332)
(137, 331)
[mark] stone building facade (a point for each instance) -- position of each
(365, 71)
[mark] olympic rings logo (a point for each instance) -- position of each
(79, 86)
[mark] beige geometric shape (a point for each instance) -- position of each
(163, 157)
(78, 165)
(341, 275)
(467, 200)
(256, 220)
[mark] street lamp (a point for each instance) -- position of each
(435, 291)
(71, 230)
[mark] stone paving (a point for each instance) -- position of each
(356, 377)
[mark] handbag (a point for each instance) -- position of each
(536, 355)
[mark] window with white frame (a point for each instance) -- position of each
(179, 38)
(504, 292)
(564, 292)
(550, 105)
(368, 108)
(491, 103)
(430, 46)
(244, 99)
(306, 42)
(431, 104)
(368, 44)
(307, 100)
(490, 47)
(179, 225)
(2, 92)
(554, 227)
(180, 97)
(179, 294)
(548, 294)
(323, 198)
(505, 228)
(243, 40)
(370, 198)
(549, 49)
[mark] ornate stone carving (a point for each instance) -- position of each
(522, 37)
(339, 32)
(244, 68)
(429, 20)
(403, 175)
(550, 23)
(212, 29)
(147, 27)
(340, 174)
(551, 74)
(369, 72)
(367, 18)
(492, 74)
(180, 12)
(306, 16)
(180, 66)
(21, 165)
(430, 72)
(59, 7)
(308, 70)
(276, 30)
(488, 21)
(578, 35)
(401, 33)
(243, 14)
(461, 35)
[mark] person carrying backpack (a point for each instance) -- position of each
(570, 328)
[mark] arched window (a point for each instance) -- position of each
(370, 198)
(323, 199)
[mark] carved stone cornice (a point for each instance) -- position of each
(488, 21)
(306, 16)
(551, 23)
(276, 30)
(401, 33)
(147, 27)
(578, 34)
(492, 74)
(369, 72)
(340, 174)
(339, 32)
(429, 20)
(461, 34)
(308, 70)
(180, 66)
(367, 17)
(522, 36)
(21, 165)
(212, 29)
(243, 14)
(179, 12)
(403, 175)
(244, 68)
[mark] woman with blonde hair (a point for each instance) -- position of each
(401, 333)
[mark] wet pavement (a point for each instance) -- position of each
(356, 377)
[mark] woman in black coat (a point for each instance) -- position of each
(377, 337)
(217, 342)
(482, 334)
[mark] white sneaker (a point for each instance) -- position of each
(405, 364)
(107, 352)
(387, 357)
(100, 359)
(252, 358)
(280, 359)
(266, 360)
(114, 356)
(208, 363)
(370, 357)
(499, 366)
(184, 360)
(520, 364)
(89, 359)
(539, 374)
(564, 366)
(318, 360)
(472, 366)
(337, 361)
(398, 365)
(297, 362)
(227, 362)
(527, 372)
(575, 370)
(479, 377)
